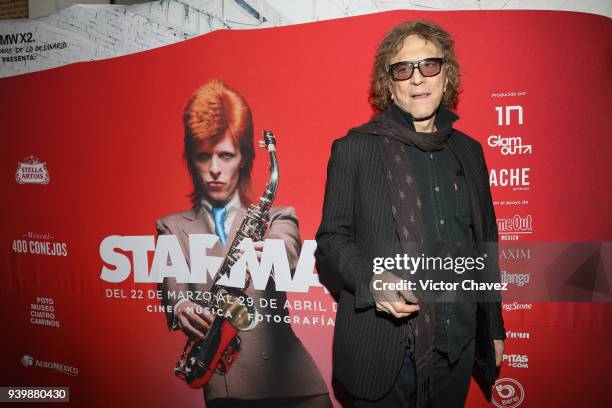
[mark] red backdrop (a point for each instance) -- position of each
(110, 134)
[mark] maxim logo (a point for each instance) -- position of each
(515, 253)
(32, 171)
(507, 393)
(29, 361)
(517, 335)
(517, 178)
(509, 145)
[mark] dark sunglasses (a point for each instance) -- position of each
(428, 67)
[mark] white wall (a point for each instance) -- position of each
(91, 32)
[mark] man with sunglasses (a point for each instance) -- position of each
(404, 179)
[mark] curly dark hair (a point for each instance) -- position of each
(380, 96)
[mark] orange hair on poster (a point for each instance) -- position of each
(213, 111)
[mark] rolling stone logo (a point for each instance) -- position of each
(32, 171)
(507, 393)
(509, 307)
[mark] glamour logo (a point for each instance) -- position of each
(29, 361)
(518, 335)
(509, 145)
(516, 360)
(507, 393)
(32, 171)
(517, 178)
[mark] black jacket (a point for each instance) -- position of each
(357, 223)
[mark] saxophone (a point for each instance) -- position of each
(216, 353)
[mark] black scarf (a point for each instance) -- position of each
(396, 129)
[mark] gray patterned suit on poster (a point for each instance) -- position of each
(273, 368)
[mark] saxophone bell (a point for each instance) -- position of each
(235, 308)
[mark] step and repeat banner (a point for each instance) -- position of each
(92, 157)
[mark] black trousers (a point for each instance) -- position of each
(450, 383)
(315, 401)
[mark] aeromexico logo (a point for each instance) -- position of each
(32, 171)
(29, 361)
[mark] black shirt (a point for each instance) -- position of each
(447, 218)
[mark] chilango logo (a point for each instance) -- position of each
(32, 171)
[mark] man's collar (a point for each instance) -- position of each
(444, 117)
(232, 205)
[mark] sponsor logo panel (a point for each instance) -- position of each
(43, 312)
(28, 361)
(32, 171)
(39, 244)
(507, 393)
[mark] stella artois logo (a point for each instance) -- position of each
(32, 171)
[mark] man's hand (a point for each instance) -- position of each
(499, 351)
(399, 303)
(193, 320)
(397, 309)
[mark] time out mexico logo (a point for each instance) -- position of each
(507, 393)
